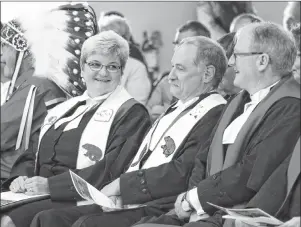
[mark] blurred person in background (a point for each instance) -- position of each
(161, 96)
(242, 20)
(135, 76)
(226, 87)
(296, 68)
(135, 51)
(291, 15)
(218, 15)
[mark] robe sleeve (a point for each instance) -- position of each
(171, 178)
(125, 138)
(12, 110)
(270, 145)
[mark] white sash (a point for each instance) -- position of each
(97, 130)
(172, 138)
(95, 135)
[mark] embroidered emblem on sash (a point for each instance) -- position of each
(93, 153)
(169, 147)
(197, 111)
(140, 157)
(104, 115)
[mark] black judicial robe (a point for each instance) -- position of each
(58, 154)
(47, 96)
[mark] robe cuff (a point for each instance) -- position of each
(193, 199)
(134, 188)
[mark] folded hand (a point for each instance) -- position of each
(178, 208)
(17, 185)
(112, 189)
(117, 201)
(36, 186)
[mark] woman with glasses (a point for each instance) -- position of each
(96, 134)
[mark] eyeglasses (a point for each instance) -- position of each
(95, 66)
(244, 54)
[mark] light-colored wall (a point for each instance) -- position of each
(167, 16)
(270, 11)
(150, 16)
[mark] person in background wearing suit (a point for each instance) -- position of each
(96, 134)
(165, 159)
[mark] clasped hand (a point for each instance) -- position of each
(112, 190)
(30, 186)
(178, 208)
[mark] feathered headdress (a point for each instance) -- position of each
(54, 37)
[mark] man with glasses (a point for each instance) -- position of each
(257, 131)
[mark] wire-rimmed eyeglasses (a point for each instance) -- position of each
(96, 66)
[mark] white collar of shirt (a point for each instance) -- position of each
(184, 105)
(95, 100)
(235, 126)
(78, 114)
(259, 96)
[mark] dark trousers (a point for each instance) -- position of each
(23, 215)
(92, 216)
(173, 221)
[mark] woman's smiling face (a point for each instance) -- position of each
(102, 73)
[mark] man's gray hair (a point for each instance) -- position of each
(278, 43)
(106, 43)
(117, 24)
(209, 52)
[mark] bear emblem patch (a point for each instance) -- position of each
(93, 153)
(169, 146)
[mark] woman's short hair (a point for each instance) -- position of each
(209, 52)
(106, 43)
(117, 24)
(278, 43)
